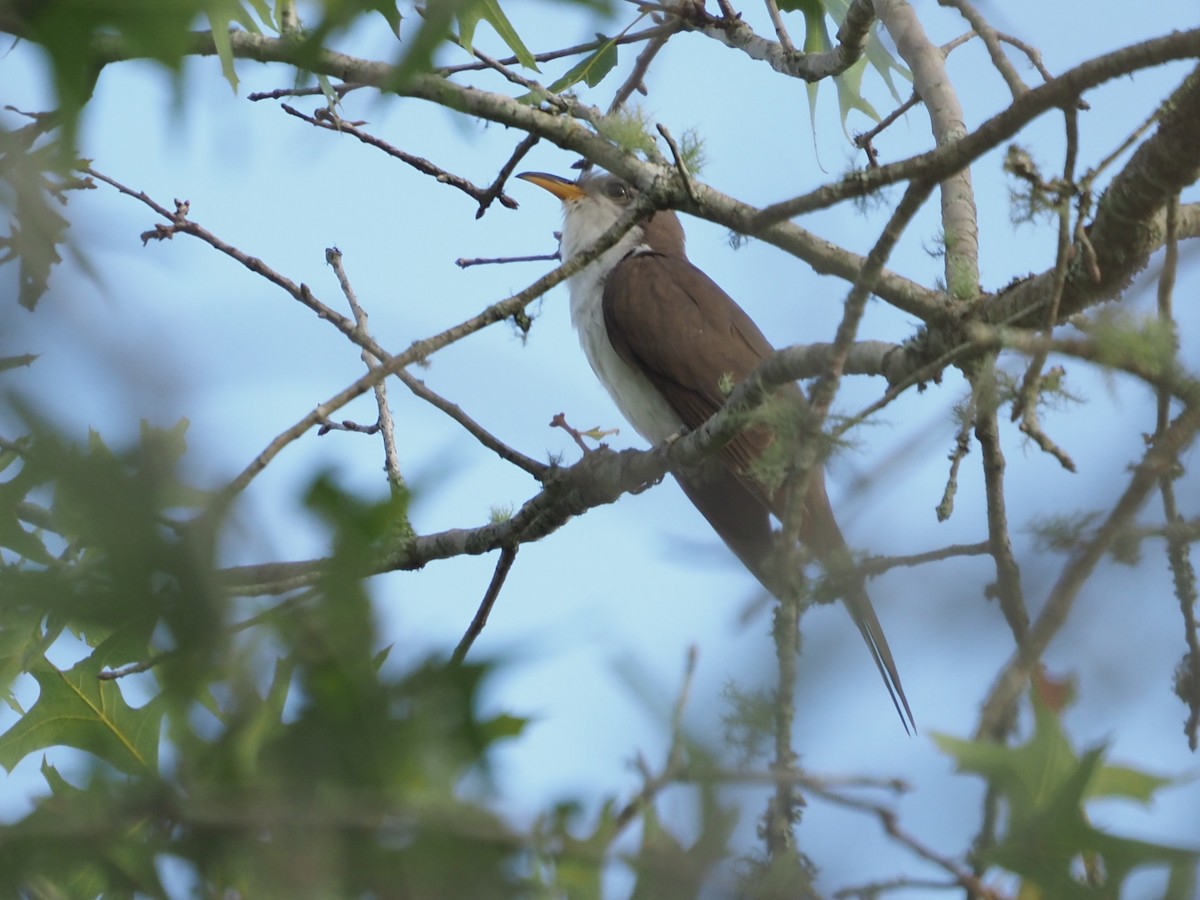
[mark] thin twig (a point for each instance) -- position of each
(454, 411)
(635, 81)
(543, 93)
(482, 196)
(387, 428)
(347, 425)
(576, 50)
(962, 446)
(496, 188)
(877, 565)
(781, 32)
(317, 91)
(133, 668)
(464, 263)
(865, 140)
(507, 556)
(1183, 573)
(1035, 58)
(680, 163)
(676, 763)
(991, 40)
(560, 421)
(1026, 403)
(891, 824)
(1007, 588)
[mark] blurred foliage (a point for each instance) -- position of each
(273, 748)
(265, 750)
(35, 182)
(1047, 838)
(300, 764)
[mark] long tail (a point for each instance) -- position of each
(740, 516)
(863, 612)
(821, 534)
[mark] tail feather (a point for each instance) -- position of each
(741, 516)
(821, 534)
(863, 613)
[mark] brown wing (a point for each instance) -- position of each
(669, 320)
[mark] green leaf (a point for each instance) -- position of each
(850, 97)
(849, 83)
(591, 69)
(390, 11)
(490, 12)
(59, 786)
(33, 175)
(221, 41)
(578, 862)
(877, 54)
(13, 492)
(16, 362)
(816, 40)
(21, 639)
(25, 544)
(76, 709)
(1044, 785)
(264, 12)
(502, 726)
(1120, 781)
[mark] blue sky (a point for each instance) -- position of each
(595, 620)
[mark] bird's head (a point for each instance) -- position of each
(594, 203)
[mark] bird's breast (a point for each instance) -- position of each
(638, 400)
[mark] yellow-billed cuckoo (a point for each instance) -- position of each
(667, 342)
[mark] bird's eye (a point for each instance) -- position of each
(618, 190)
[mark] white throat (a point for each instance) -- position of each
(637, 399)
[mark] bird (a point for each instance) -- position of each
(668, 344)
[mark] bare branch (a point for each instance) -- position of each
(508, 556)
(928, 65)
(1129, 224)
(328, 122)
(391, 459)
(1157, 461)
(732, 31)
(1025, 406)
(877, 565)
(675, 766)
(642, 66)
(464, 263)
(636, 37)
(1007, 588)
(1183, 572)
(991, 40)
(891, 824)
(508, 454)
(781, 32)
(952, 157)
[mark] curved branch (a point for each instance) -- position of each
(1130, 221)
(1012, 679)
(960, 227)
(600, 478)
(733, 32)
(570, 134)
(949, 158)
